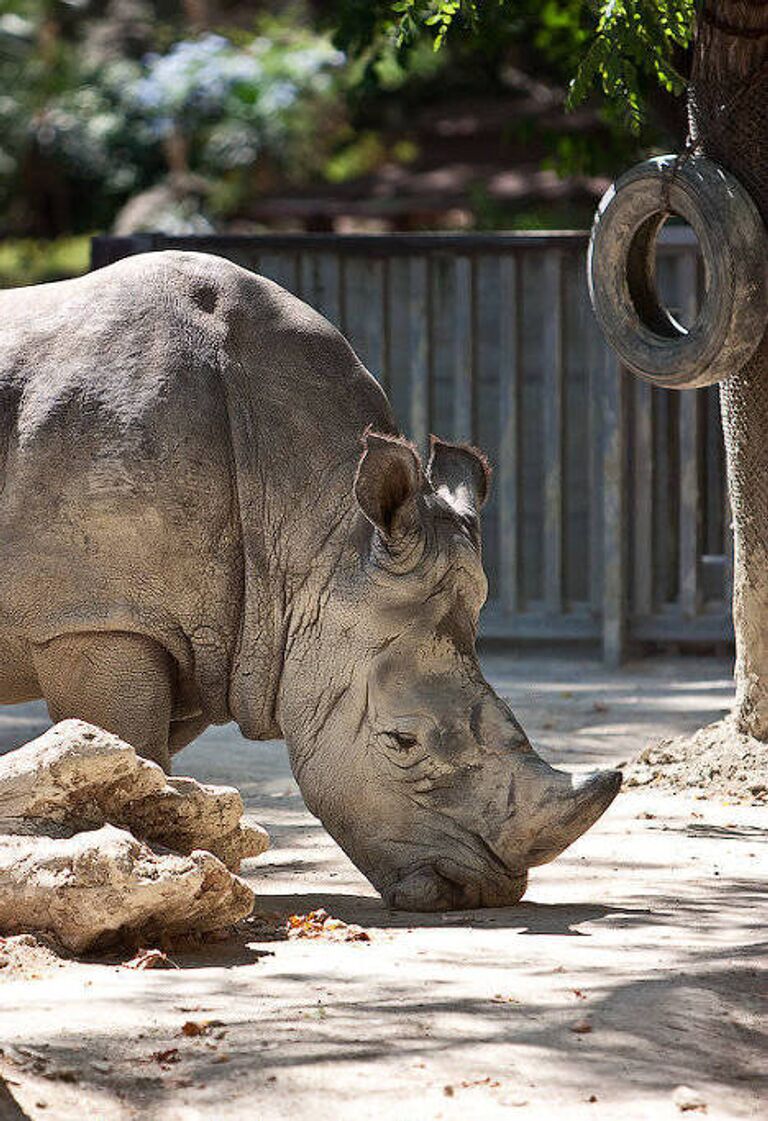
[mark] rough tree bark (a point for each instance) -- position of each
(728, 112)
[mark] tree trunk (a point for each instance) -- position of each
(728, 110)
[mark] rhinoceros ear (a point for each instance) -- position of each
(388, 479)
(460, 473)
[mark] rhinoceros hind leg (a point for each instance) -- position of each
(118, 681)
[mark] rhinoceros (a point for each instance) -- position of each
(207, 513)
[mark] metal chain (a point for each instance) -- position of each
(668, 173)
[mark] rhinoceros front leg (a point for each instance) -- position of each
(118, 681)
(185, 730)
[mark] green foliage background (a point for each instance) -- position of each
(613, 45)
(100, 98)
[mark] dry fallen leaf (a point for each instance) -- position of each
(200, 1027)
(150, 959)
(171, 1055)
(319, 924)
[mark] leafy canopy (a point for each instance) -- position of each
(624, 42)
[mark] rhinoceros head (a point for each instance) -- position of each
(402, 749)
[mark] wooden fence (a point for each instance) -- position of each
(608, 520)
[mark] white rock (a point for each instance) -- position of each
(67, 870)
(105, 886)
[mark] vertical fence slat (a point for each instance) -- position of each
(364, 310)
(713, 475)
(614, 391)
(308, 279)
(486, 391)
(509, 451)
(662, 506)
(397, 342)
(552, 347)
(689, 457)
(418, 338)
(463, 427)
(355, 305)
(376, 292)
(689, 503)
(320, 284)
(594, 451)
(643, 500)
(577, 494)
(282, 268)
(331, 268)
(441, 346)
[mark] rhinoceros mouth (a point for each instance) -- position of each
(442, 887)
(458, 871)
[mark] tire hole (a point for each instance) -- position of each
(666, 301)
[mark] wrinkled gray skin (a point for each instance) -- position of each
(193, 529)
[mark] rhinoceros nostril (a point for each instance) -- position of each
(511, 803)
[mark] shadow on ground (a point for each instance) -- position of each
(634, 966)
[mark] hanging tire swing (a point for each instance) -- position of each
(621, 271)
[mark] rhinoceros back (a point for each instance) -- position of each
(148, 411)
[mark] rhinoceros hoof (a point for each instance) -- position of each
(104, 886)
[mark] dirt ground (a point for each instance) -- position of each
(634, 967)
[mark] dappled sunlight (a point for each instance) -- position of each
(638, 948)
(312, 1010)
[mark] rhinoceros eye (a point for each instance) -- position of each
(403, 741)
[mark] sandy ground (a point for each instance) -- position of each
(634, 966)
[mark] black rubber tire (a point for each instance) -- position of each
(622, 281)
